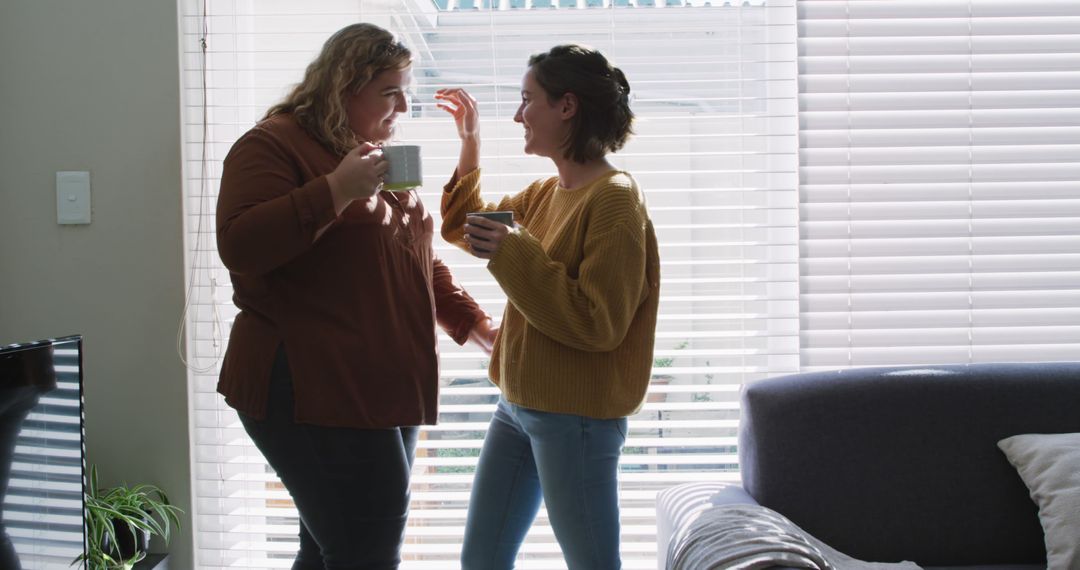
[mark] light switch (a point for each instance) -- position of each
(73, 197)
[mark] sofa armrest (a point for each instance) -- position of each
(677, 506)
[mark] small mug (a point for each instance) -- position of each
(505, 217)
(405, 172)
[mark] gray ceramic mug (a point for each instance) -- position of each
(405, 168)
(504, 217)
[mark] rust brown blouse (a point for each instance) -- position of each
(356, 310)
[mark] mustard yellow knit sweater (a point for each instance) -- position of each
(582, 278)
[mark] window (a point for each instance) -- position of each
(939, 181)
(714, 87)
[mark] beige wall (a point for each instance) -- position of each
(95, 86)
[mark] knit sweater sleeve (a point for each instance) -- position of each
(462, 195)
(594, 310)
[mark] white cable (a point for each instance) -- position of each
(197, 251)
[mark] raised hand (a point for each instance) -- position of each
(461, 105)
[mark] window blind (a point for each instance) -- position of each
(714, 89)
(939, 181)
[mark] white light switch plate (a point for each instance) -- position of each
(73, 197)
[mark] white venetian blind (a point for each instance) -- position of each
(714, 88)
(939, 180)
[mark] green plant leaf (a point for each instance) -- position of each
(143, 507)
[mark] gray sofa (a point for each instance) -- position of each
(891, 464)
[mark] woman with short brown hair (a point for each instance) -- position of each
(581, 272)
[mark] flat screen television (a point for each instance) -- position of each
(42, 455)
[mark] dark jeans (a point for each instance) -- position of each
(351, 486)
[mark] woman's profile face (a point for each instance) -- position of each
(373, 111)
(544, 120)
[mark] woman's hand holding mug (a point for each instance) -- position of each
(485, 235)
(357, 177)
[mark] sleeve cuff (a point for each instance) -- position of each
(314, 203)
(515, 245)
(461, 333)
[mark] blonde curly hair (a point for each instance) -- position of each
(350, 59)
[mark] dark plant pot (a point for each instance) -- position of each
(127, 544)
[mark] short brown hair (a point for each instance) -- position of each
(349, 60)
(604, 120)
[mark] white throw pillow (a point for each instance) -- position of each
(1049, 464)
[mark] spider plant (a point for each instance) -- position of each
(141, 510)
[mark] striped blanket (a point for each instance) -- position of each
(746, 537)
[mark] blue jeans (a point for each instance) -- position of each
(571, 462)
(351, 486)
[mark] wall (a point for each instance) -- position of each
(95, 86)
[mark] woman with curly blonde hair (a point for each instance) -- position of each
(332, 361)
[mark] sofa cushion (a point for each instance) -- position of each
(1049, 465)
(901, 463)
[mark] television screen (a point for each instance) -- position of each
(41, 454)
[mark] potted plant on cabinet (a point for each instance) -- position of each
(120, 521)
